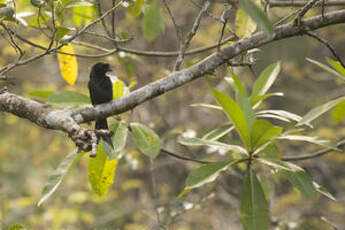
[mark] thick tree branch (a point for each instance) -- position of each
(67, 120)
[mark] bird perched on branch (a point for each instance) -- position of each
(101, 91)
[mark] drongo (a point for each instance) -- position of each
(101, 91)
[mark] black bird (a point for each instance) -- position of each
(101, 91)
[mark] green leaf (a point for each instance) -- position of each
(244, 103)
(101, 172)
(314, 140)
(235, 114)
(118, 89)
(207, 106)
(280, 165)
(271, 152)
(256, 100)
(336, 65)
(153, 22)
(339, 112)
(218, 132)
(262, 132)
(61, 32)
(69, 98)
(193, 141)
(135, 8)
(322, 190)
(205, 174)
(108, 150)
(120, 135)
(258, 16)
(40, 93)
(237, 84)
(253, 206)
(83, 15)
(265, 80)
(326, 68)
(301, 181)
(146, 140)
(318, 111)
(16, 227)
(279, 114)
(56, 177)
(245, 26)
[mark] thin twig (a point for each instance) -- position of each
(328, 45)
(303, 11)
(190, 36)
(177, 30)
(303, 3)
(177, 156)
(155, 193)
(314, 154)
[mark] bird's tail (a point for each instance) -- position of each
(103, 124)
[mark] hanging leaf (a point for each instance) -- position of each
(68, 64)
(56, 177)
(245, 26)
(146, 140)
(301, 181)
(205, 174)
(253, 206)
(101, 172)
(258, 16)
(153, 22)
(318, 111)
(119, 137)
(68, 98)
(265, 80)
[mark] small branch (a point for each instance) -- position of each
(304, 10)
(177, 156)
(190, 36)
(177, 30)
(314, 154)
(303, 3)
(328, 45)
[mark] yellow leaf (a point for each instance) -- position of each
(68, 64)
(245, 26)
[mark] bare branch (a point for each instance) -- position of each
(190, 35)
(314, 154)
(303, 3)
(328, 45)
